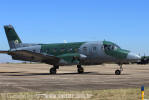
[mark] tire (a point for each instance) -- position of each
(80, 70)
(53, 71)
(117, 72)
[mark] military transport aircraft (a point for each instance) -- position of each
(60, 54)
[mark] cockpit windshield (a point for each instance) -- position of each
(110, 47)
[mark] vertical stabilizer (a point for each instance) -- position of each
(13, 39)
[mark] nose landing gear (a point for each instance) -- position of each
(118, 71)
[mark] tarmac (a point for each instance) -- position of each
(36, 78)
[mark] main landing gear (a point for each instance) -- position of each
(80, 69)
(118, 71)
(53, 70)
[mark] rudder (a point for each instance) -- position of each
(13, 39)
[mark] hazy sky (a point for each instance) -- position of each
(125, 22)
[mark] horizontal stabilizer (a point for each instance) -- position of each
(32, 56)
(6, 52)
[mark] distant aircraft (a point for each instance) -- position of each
(60, 54)
(144, 60)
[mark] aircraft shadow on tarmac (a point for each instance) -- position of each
(36, 74)
(9, 72)
(88, 73)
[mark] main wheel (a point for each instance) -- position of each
(80, 70)
(53, 71)
(117, 72)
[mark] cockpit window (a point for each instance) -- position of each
(85, 48)
(110, 47)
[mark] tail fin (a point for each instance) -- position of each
(13, 39)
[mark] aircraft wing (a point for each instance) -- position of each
(32, 56)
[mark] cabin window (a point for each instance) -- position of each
(70, 49)
(34, 50)
(84, 48)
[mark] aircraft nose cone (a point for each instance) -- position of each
(134, 57)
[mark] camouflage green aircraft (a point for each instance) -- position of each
(60, 54)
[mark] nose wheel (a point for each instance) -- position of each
(118, 71)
